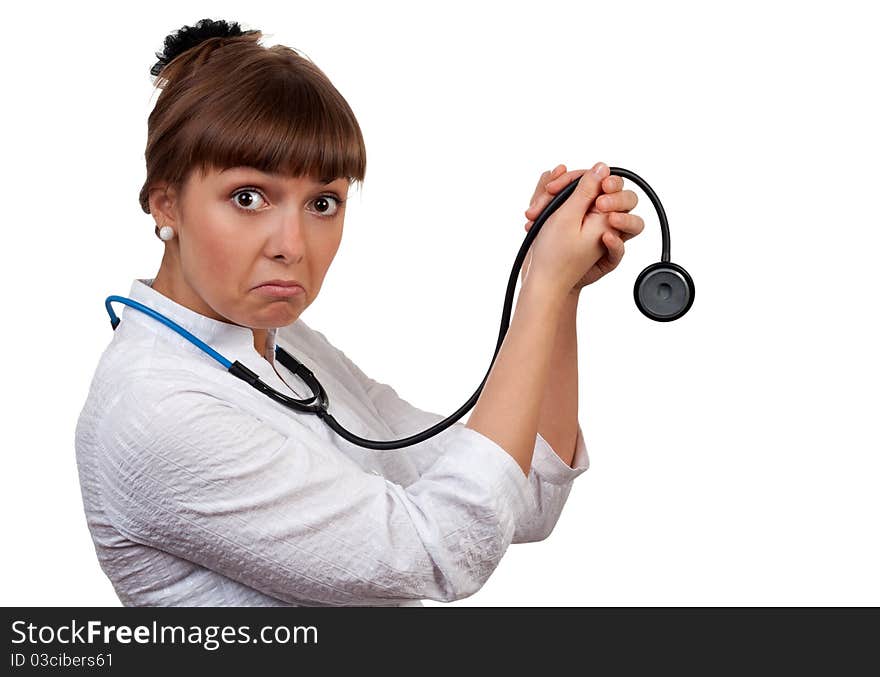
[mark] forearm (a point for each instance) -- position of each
(508, 409)
(558, 420)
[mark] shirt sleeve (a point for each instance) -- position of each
(290, 515)
(550, 478)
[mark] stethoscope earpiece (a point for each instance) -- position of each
(664, 291)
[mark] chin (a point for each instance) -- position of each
(281, 314)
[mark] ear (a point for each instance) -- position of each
(163, 204)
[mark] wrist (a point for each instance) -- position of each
(547, 288)
(570, 303)
(543, 291)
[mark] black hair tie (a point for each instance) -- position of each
(187, 37)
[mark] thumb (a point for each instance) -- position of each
(588, 189)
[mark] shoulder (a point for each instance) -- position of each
(170, 430)
(144, 395)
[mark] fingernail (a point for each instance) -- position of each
(599, 167)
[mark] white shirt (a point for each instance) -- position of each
(200, 490)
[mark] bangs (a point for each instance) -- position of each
(283, 127)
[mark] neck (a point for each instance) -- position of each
(170, 283)
(261, 336)
(176, 289)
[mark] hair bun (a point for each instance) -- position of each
(188, 37)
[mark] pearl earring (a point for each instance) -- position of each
(166, 233)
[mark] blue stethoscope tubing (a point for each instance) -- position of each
(663, 291)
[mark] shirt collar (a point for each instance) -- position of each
(232, 341)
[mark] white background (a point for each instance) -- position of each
(734, 452)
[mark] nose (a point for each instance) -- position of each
(288, 242)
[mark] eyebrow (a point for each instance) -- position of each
(272, 175)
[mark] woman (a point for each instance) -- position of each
(198, 489)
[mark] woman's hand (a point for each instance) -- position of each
(611, 208)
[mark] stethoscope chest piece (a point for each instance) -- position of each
(664, 291)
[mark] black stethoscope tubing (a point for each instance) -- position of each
(664, 291)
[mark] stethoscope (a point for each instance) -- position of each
(664, 291)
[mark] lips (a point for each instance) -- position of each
(280, 283)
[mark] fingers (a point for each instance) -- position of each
(615, 249)
(628, 223)
(622, 201)
(554, 180)
(541, 198)
(546, 178)
(564, 179)
(588, 188)
(612, 184)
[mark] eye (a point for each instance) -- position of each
(328, 205)
(246, 203)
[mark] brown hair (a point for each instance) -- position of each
(229, 101)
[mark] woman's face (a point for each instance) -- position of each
(238, 228)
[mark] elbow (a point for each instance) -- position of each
(464, 567)
(465, 582)
(533, 536)
(537, 528)
(458, 528)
